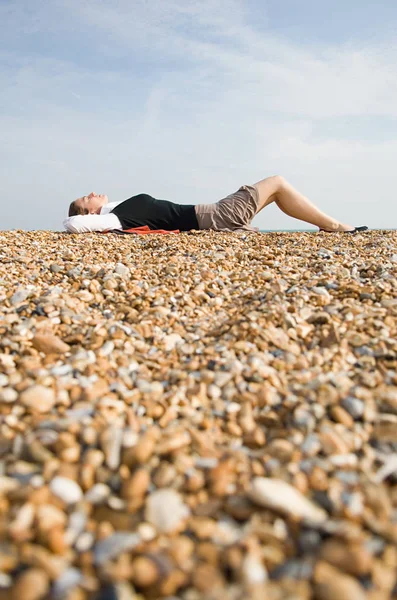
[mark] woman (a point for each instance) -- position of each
(233, 213)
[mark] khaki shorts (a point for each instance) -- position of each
(233, 213)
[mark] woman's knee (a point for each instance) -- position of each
(272, 184)
(278, 181)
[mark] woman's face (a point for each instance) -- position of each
(92, 203)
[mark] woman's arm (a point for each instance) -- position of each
(87, 223)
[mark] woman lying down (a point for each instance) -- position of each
(233, 213)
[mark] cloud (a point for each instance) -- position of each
(187, 101)
(343, 80)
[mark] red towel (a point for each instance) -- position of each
(141, 230)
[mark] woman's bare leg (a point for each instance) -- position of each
(294, 204)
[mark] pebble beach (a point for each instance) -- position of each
(201, 416)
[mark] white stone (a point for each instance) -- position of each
(130, 438)
(279, 495)
(171, 340)
(111, 439)
(3, 380)
(107, 348)
(233, 407)
(5, 580)
(226, 533)
(321, 291)
(214, 392)
(6, 360)
(165, 510)
(24, 518)
(122, 270)
(222, 378)
(253, 570)
(8, 395)
(206, 462)
(66, 489)
(76, 525)
(85, 541)
(146, 531)
(98, 493)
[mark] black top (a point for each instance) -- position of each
(157, 214)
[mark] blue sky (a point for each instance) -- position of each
(189, 100)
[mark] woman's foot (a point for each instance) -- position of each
(335, 227)
(345, 229)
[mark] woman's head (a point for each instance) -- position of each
(87, 205)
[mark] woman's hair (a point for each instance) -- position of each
(76, 209)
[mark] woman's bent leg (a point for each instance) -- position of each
(294, 204)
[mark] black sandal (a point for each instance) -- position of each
(355, 230)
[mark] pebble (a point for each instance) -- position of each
(38, 398)
(147, 384)
(76, 525)
(54, 268)
(85, 541)
(281, 496)
(8, 395)
(171, 340)
(49, 344)
(253, 570)
(67, 582)
(354, 559)
(330, 583)
(354, 406)
(66, 489)
(106, 349)
(165, 510)
(32, 584)
(113, 545)
(7, 484)
(122, 270)
(19, 296)
(97, 493)
(111, 439)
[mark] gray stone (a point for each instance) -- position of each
(353, 406)
(112, 546)
(66, 582)
(20, 296)
(54, 268)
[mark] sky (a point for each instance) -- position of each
(187, 100)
